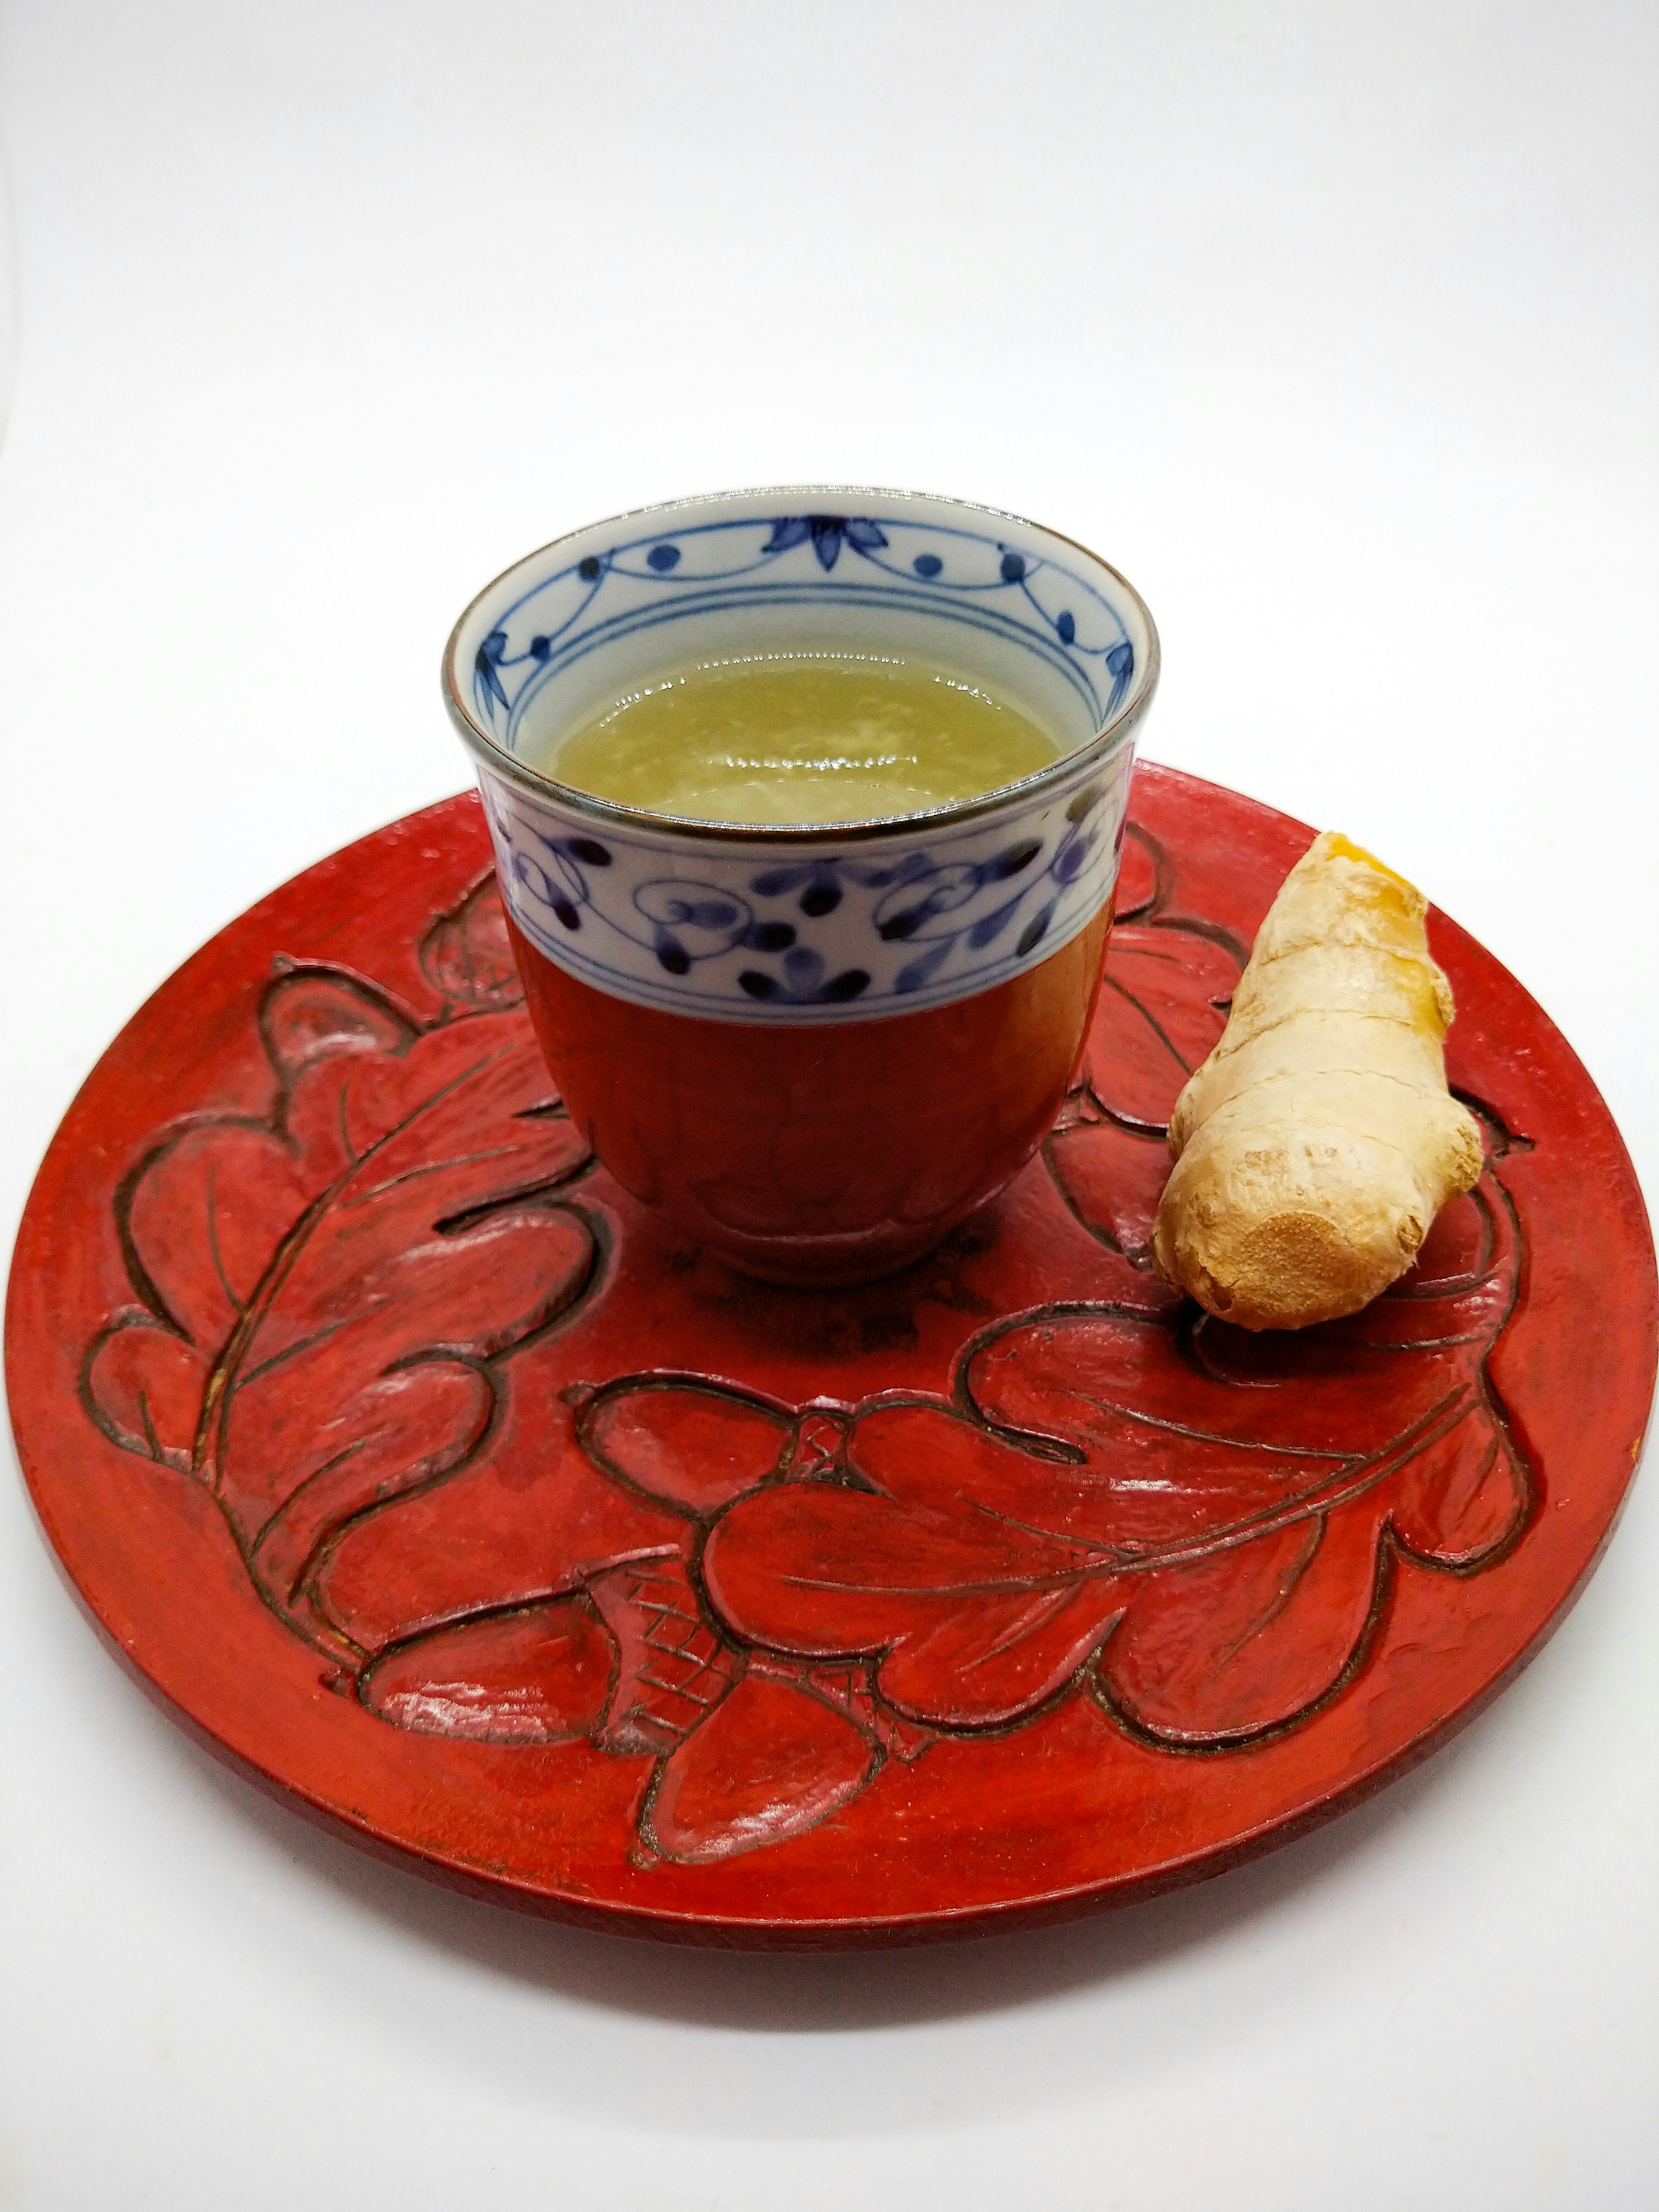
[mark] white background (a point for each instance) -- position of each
(1334, 325)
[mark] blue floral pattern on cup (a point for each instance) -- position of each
(818, 936)
(977, 575)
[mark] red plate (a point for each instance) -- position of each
(425, 1475)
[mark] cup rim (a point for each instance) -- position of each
(1109, 739)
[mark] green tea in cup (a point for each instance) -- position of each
(815, 736)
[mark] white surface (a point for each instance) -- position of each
(1335, 327)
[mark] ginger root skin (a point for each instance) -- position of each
(1317, 1144)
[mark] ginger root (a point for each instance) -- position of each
(1316, 1144)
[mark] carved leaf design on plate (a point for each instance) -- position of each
(1212, 1514)
(1194, 1524)
(1169, 982)
(323, 1292)
(1163, 1006)
(468, 954)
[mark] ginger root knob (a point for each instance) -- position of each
(1316, 1144)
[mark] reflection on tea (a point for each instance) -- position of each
(799, 737)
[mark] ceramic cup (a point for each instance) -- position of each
(818, 1048)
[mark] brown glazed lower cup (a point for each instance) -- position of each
(823, 1155)
(817, 1049)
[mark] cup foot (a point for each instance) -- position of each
(829, 1263)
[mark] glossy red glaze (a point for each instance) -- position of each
(467, 1503)
(819, 1154)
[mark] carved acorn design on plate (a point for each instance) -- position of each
(765, 1602)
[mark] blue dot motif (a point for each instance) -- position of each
(662, 558)
(1014, 567)
(1066, 625)
(928, 564)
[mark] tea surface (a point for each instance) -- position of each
(793, 737)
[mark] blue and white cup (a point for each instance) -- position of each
(797, 931)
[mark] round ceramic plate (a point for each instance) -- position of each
(423, 1473)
